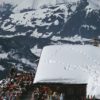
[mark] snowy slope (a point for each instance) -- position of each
(94, 4)
(35, 4)
(71, 64)
(26, 4)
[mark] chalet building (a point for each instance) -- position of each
(73, 70)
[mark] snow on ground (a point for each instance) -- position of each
(11, 36)
(38, 16)
(89, 27)
(26, 18)
(39, 4)
(75, 38)
(34, 19)
(3, 55)
(20, 68)
(93, 5)
(1, 68)
(36, 34)
(9, 28)
(22, 18)
(36, 51)
(74, 64)
(26, 4)
(46, 35)
(26, 61)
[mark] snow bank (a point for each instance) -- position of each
(71, 64)
(3, 55)
(94, 4)
(26, 61)
(36, 51)
(2, 68)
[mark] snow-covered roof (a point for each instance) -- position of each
(70, 64)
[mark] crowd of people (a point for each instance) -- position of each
(45, 93)
(15, 85)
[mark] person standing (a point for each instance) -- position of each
(12, 72)
(61, 96)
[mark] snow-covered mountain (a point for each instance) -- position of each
(26, 27)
